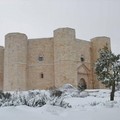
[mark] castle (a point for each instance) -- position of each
(49, 62)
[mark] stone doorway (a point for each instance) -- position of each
(82, 84)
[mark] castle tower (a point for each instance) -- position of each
(64, 57)
(98, 43)
(15, 61)
(1, 66)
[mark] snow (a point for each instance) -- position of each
(90, 105)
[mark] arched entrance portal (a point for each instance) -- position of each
(82, 84)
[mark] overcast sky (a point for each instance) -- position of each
(38, 18)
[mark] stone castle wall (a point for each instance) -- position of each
(15, 62)
(1, 66)
(64, 57)
(98, 43)
(49, 62)
(40, 48)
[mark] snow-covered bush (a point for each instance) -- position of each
(56, 93)
(36, 98)
(94, 103)
(118, 86)
(57, 97)
(59, 101)
(69, 91)
(84, 94)
(30, 98)
(67, 86)
(110, 104)
(4, 95)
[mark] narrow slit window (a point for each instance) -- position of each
(41, 75)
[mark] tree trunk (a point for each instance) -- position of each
(113, 91)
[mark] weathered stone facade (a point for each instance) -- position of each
(49, 62)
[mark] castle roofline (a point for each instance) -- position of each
(100, 37)
(64, 28)
(15, 34)
(1, 47)
(40, 38)
(78, 40)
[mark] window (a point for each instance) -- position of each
(40, 58)
(82, 58)
(41, 75)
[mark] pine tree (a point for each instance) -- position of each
(107, 68)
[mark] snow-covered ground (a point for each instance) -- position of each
(90, 105)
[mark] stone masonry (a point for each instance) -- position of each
(44, 63)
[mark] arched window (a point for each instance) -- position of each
(40, 56)
(82, 59)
